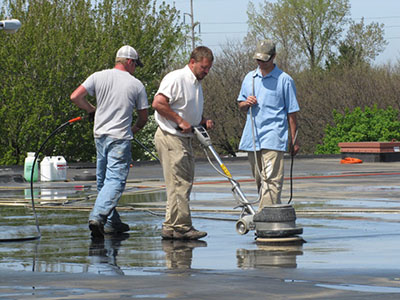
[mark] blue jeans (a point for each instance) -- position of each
(113, 162)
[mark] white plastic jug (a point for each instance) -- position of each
(53, 168)
(46, 169)
(60, 168)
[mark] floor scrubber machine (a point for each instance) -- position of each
(273, 224)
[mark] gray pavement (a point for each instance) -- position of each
(349, 213)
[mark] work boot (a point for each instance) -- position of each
(116, 228)
(191, 234)
(97, 228)
(167, 233)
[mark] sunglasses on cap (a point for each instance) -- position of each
(265, 61)
(138, 63)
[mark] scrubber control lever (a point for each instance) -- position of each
(202, 135)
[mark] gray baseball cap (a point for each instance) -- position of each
(264, 50)
(129, 52)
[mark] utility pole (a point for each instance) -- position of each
(193, 23)
(191, 13)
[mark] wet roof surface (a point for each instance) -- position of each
(349, 213)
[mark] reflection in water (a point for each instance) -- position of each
(178, 253)
(52, 194)
(103, 253)
(269, 256)
(35, 255)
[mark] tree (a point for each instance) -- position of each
(367, 40)
(306, 31)
(60, 43)
(307, 27)
(348, 56)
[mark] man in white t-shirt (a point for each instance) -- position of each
(179, 106)
(117, 94)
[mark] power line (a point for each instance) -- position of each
(225, 32)
(223, 23)
(245, 23)
(381, 17)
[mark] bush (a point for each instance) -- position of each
(372, 124)
(62, 42)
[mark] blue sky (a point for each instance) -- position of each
(222, 20)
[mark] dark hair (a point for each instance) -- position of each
(202, 52)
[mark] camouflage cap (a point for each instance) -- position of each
(264, 50)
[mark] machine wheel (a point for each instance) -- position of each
(276, 221)
(276, 213)
(241, 227)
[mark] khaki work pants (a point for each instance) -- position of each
(177, 161)
(270, 163)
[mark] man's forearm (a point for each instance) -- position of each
(292, 118)
(243, 106)
(78, 97)
(140, 121)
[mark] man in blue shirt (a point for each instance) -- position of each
(268, 95)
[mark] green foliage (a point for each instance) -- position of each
(372, 124)
(60, 43)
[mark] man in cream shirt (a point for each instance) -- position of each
(179, 106)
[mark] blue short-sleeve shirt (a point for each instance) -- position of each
(276, 98)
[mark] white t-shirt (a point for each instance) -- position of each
(185, 96)
(117, 94)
